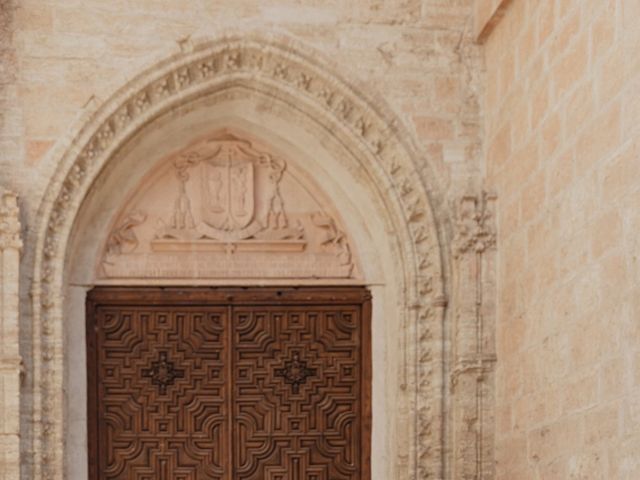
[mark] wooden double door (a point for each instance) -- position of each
(210, 383)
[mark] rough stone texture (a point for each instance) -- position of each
(63, 59)
(562, 153)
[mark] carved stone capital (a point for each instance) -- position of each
(9, 221)
(475, 225)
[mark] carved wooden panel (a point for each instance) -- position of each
(250, 384)
(296, 393)
(161, 393)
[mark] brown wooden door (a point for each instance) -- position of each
(255, 384)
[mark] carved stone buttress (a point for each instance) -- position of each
(472, 376)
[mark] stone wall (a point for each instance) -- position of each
(562, 153)
(65, 58)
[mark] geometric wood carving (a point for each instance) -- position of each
(161, 392)
(297, 391)
(225, 207)
(228, 384)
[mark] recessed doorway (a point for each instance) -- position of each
(229, 383)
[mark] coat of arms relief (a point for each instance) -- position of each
(222, 208)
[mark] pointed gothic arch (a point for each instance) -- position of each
(292, 82)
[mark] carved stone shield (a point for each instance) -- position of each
(228, 190)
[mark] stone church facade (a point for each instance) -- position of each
(469, 164)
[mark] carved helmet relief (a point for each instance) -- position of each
(226, 207)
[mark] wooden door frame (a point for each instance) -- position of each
(211, 296)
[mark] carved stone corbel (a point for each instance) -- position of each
(473, 362)
(10, 361)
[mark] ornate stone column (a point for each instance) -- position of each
(472, 382)
(10, 362)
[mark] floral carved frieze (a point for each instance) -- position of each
(475, 226)
(223, 208)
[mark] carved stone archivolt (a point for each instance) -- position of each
(300, 83)
(224, 208)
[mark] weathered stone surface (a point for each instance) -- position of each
(562, 155)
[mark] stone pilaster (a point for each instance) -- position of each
(473, 345)
(10, 362)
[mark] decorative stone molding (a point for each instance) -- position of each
(475, 229)
(295, 79)
(10, 361)
(473, 356)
